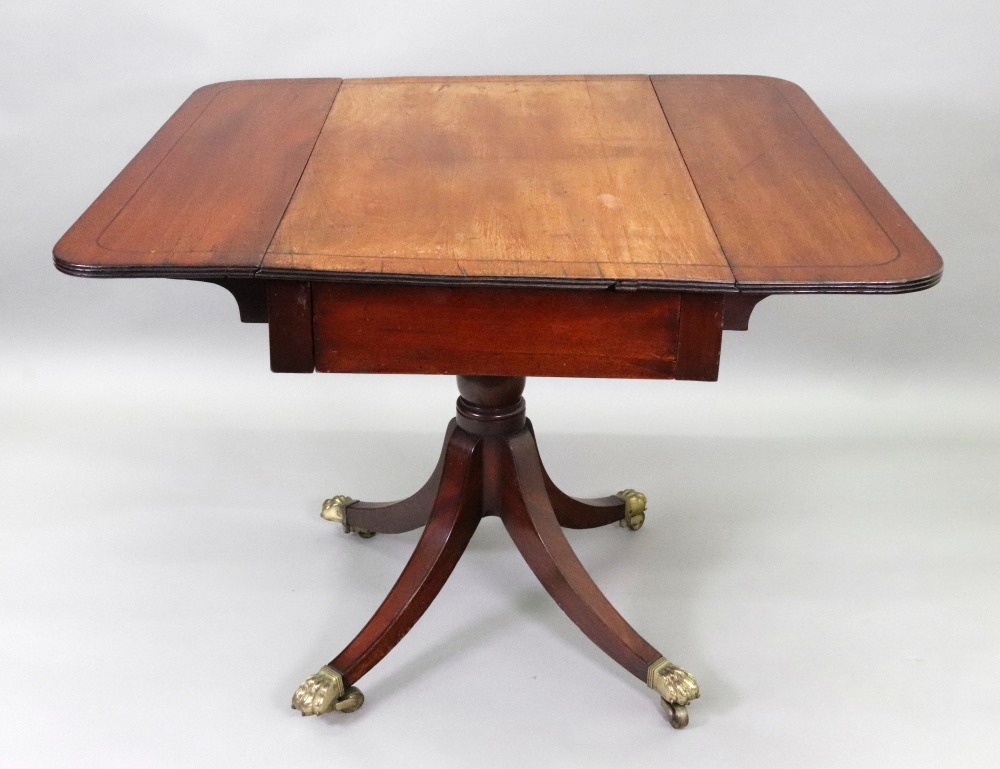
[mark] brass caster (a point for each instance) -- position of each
(635, 509)
(335, 509)
(678, 714)
(676, 688)
(324, 692)
(352, 700)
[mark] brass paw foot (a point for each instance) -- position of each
(335, 509)
(635, 509)
(676, 688)
(324, 692)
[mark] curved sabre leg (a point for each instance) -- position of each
(457, 512)
(529, 518)
(627, 507)
(369, 518)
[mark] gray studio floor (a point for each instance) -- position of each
(824, 561)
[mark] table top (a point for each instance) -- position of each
(684, 182)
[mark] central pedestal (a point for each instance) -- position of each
(490, 466)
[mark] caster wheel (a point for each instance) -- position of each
(678, 714)
(351, 701)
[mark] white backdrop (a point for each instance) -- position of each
(822, 547)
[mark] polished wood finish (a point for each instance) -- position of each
(495, 331)
(205, 196)
(527, 177)
(775, 198)
(575, 513)
(250, 296)
(486, 471)
(736, 310)
(491, 393)
(689, 183)
(700, 341)
(792, 205)
(496, 228)
(507, 331)
(407, 514)
(530, 520)
(290, 326)
(918, 265)
(452, 523)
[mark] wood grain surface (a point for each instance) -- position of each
(785, 214)
(684, 182)
(700, 337)
(575, 513)
(528, 516)
(290, 326)
(512, 178)
(207, 193)
(455, 517)
(496, 331)
(918, 265)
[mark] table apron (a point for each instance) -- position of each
(405, 329)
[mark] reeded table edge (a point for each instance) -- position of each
(182, 273)
(186, 273)
(817, 124)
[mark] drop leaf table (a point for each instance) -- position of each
(495, 228)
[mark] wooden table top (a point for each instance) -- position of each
(702, 183)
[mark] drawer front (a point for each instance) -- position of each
(378, 328)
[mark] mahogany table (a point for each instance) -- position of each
(495, 228)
